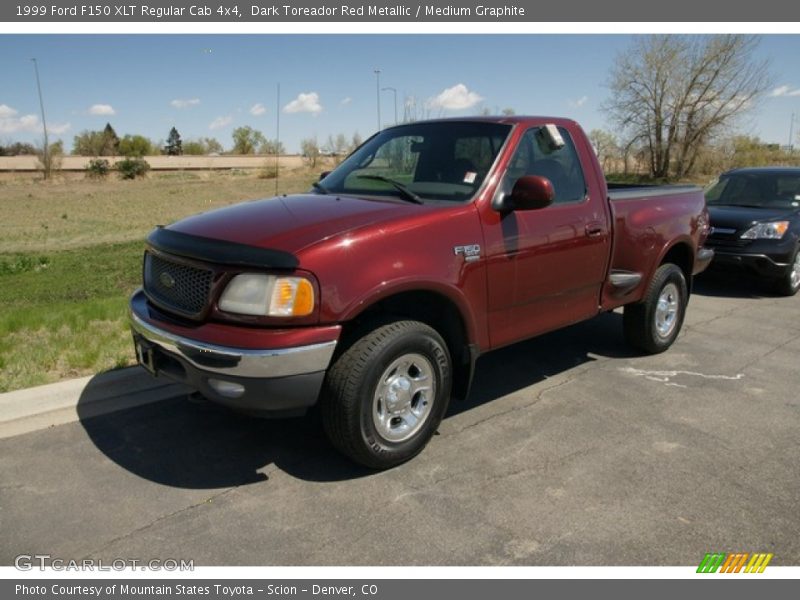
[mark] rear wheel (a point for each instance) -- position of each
(653, 324)
(385, 396)
(789, 284)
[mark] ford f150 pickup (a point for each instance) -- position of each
(434, 242)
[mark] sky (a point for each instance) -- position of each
(207, 85)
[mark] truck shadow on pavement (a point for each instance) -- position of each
(187, 443)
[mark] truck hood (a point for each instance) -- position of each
(291, 223)
(742, 217)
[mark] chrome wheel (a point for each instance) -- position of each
(667, 307)
(404, 397)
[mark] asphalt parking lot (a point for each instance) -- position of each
(571, 450)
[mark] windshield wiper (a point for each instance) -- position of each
(320, 188)
(405, 193)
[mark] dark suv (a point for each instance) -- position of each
(755, 223)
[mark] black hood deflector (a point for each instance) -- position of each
(219, 251)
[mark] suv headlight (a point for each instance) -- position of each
(268, 296)
(766, 231)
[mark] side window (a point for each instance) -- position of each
(562, 167)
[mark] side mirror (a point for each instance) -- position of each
(323, 175)
(531, 192)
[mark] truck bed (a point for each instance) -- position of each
(646, 219)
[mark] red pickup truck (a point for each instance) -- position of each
(431, 244)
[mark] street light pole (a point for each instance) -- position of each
(44, 122)
(378, 94)
(391, 89)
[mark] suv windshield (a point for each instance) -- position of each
(766, 189)
(442, 160)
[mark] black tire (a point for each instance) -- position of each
(350, 397)
(789, 284)
(645, 326)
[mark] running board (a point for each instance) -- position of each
(624, 281)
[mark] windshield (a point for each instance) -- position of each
(767, 190)
(443, 160)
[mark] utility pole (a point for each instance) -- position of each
(378, 93)
(391, 89)
(44, 122)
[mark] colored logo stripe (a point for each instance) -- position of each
(735, 562)
(758, 563)
(711, 562)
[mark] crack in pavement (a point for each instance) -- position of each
(569, 379)
(158, 520)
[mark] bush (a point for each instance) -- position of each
(268, 172)
(131, 168)
(98, 168)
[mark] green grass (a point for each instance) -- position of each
(67, 317)
(70, 256)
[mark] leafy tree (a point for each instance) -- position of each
(246, 140)
(96, 143)
(88, 143)
(110, 141)
(194, 148)
(674, 95)
(309, 148)
(202, 147)
(174, 145)
(135, 145)
(272, 147)
(17, 149)
(213, 146)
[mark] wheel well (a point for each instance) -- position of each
(682, 256)
(436, 311)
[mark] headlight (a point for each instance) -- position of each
(766, 231)
(268, 295)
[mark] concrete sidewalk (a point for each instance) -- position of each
(23, 411)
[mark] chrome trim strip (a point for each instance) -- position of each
(278, 362)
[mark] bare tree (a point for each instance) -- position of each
(676, 94)
(606, 147)
(309, 148)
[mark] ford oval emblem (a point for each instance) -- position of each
(167, 280)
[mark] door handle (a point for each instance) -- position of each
(594, 230)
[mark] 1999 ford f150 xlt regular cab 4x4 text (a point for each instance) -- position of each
(434, 242)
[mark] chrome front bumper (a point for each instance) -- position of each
(238, 362)
(265, 382)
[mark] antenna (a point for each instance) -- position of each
(278, 138)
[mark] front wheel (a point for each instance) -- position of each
(384, 396)
(653, 324)
(789, 284)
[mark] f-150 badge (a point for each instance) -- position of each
(470, 252)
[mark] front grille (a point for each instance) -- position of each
(726, 240)
(177, 287)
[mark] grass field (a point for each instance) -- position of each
(70, 255)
